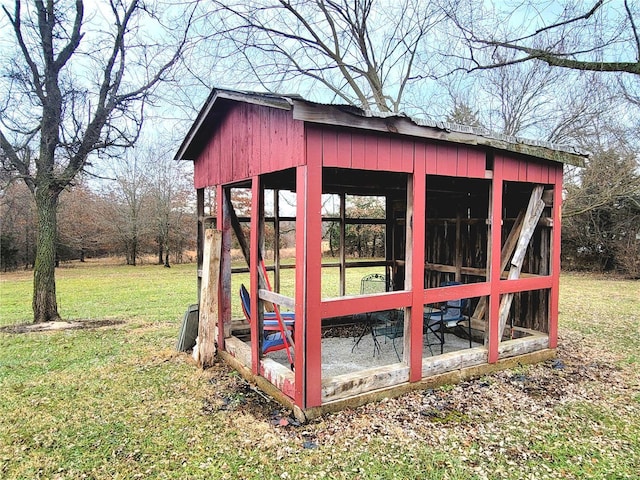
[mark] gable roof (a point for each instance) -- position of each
(354, 117)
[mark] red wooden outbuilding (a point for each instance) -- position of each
(467, 215)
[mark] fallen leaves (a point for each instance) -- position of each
(501, 418)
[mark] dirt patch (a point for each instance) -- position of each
(56, 326)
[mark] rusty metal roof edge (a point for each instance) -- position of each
(479, 135)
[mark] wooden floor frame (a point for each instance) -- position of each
(370, 385)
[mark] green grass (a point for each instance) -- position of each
(606, 310)
(148, 293)
(118, 402)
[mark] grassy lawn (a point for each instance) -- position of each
(118, 402)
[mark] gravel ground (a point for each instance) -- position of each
(340, 355)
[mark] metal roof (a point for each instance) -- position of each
(354, 117)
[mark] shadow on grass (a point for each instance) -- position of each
(55, 326)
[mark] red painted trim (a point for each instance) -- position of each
(343, 306)
(301, 274)
(286, 386)
(525, 284)
(469, 290)
(253, 274)
(308, 361)
(496, 248)
(314, 146)
(418, 226)
(313, 250)
(555, 258)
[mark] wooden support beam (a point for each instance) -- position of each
(458, 277)
(278, 299)
(244, 246)
(507, 250)
(224, 224)
(276, 240)
(209, 298)
(534, 211)
(200, 235)
(343, 244)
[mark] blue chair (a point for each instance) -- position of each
(272, 336)
(447, 316)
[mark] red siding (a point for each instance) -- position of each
(371, 152)
(250, 140)
(384, 153)
(453, 160)
(361, 150)
(358, 157)
(329, 148)
(527, 170)
(446, 159)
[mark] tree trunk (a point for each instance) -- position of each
(45, 306)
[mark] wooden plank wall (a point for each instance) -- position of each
(250, 140)
(527, 170)
(344, 148)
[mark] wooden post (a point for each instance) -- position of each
(388, 242)
(555, 258)
(416, 224)
(458, 250)
(308, 358)
(534, 211)
(209, 298)
(200, 236)
(276, 240)
(254, 274)
(244, 246)
(495, 244)
(224, 225)
(343, 239)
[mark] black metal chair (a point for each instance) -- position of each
(370, 285)
(391, 327)
(437, 320)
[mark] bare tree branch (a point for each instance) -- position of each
(363, 52)
(558, 46)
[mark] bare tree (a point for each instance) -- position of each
(80, 227)
(74, 86)
(363, 52)
(17, 227)
(170, 189)
(129, 210)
